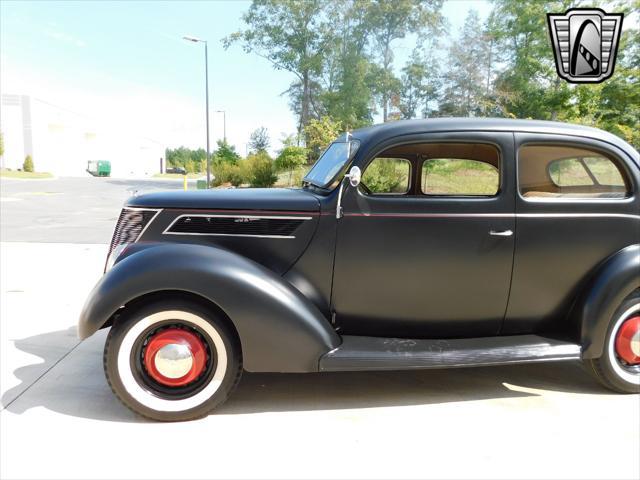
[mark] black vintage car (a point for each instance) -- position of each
(414, 244)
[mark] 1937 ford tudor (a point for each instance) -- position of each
(413, 244)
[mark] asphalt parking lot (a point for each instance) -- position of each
(74, 210)
(59, 418)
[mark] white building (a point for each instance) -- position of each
(62, 142)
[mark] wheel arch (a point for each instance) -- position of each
(279, 329)
(151, 297)
(615, 280)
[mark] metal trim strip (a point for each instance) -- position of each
(496, 215)
(255, 217)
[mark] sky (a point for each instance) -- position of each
(125, 65)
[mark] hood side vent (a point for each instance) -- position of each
(246, 226)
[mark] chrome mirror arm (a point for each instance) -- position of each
(339, 204)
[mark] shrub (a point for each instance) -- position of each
(27, 166)
(235, 175)
(228, 173)
(260, 170)
(383, 175)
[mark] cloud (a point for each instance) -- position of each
(64, 38)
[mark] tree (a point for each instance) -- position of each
(614, 105)
(341, 53)
(290, 35)
(420, 84)
(27, 166)
(348, 76)
(259, 140)
(528, 85)
(290, 158)
(193, 161)
(466, 71)
(320, 133)
(392, 20)
(226, 153)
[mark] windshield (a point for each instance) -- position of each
(330, 163)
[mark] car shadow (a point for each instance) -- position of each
(74, 384)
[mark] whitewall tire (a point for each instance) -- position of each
(172, 360)
(619, 366)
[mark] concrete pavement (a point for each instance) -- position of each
(60, 420)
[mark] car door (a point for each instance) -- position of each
(434, 263)
(576, 205)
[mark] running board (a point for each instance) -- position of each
(373, 353)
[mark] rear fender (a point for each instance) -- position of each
(280, 330)
(615, 280)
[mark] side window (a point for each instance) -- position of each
(553, 171)
(459, 177)
(569, 173)
(604, 171)
(387, 176)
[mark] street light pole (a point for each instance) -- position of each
(206, 79)
(224, 124)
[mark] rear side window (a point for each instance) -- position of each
(570, 172)
(551, 171)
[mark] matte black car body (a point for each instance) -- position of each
(394, 269)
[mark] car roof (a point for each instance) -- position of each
(403, 127)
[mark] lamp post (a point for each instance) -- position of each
(224, 124)
(206, 80)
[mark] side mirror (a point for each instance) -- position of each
(354, 176)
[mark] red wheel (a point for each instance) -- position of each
(628, 341)
(175, 357)
(619, 366)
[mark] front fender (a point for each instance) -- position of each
(616, 279)
(279, 329)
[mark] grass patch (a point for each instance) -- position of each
(24, 175)
(292, 179)
(461, 182)
(177, 175)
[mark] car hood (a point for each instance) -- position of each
(267, 199)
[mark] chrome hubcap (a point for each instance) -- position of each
(635, 343)
(174, 360)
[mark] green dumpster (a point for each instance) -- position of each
(201, 184)
(99, 168)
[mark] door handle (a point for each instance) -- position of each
(501, 233)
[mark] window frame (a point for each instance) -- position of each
(410, 179)
(618, 161)
(421, 163)
(456, 137)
